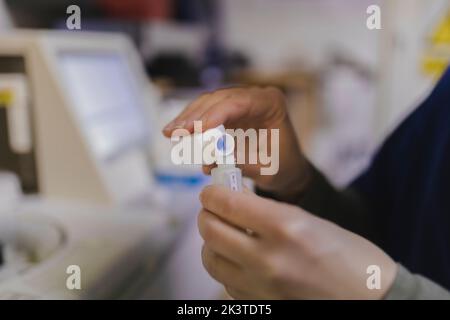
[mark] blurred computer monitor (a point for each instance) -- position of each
(105, 99)
(90, 101)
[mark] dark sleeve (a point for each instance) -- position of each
(343, 207)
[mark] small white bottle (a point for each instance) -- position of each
(226, 173)
(228, 176)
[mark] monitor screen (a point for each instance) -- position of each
(106, 98)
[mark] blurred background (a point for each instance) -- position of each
(347, 86)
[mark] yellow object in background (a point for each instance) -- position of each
(434, 65)
(6, 97)
(436, 57)
(441, 34)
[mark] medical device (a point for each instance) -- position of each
(226, 173)
(89, 99)
(75, 127)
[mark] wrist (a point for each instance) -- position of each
(297, 185)
(290, 186)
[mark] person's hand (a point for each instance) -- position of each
(245, 108)
(290, 254)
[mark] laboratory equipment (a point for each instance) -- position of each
(76, 124)
(90, 112)
(114, 252)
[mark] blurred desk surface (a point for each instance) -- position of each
(181, 274)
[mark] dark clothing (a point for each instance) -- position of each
(402, 201)
(407, 189)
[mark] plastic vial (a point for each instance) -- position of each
(226, 173)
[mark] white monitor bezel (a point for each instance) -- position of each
(123, 185)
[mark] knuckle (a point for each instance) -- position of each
(205, 196)
(205, 227)
(205, 96)
(235, 103)
(275, 91)
(295, 231)
(277, 96)
(274, 272)
(226, 93)
(319, 251)
(206, 260)
(305, 233)
(208, 233)
(210, 262)
(200, 222)
(278, 230)
(282, 230)
(244, 98)
(305, 236)
(223, 91)
(298, 229)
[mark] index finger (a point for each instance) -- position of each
(243, 210)
(182, 120)
(194, 110)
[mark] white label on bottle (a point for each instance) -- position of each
(233, 181)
